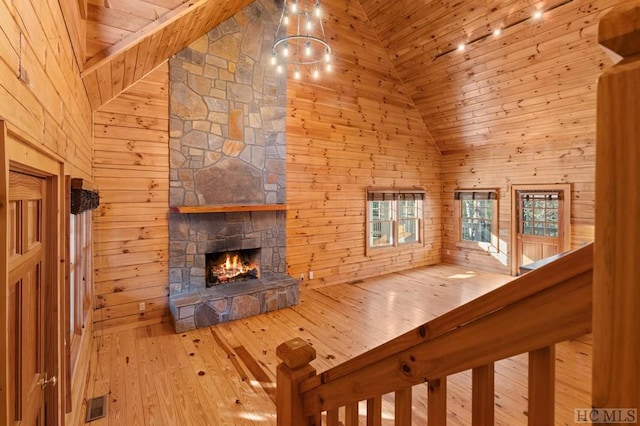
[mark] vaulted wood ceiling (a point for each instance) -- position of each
(489, 94)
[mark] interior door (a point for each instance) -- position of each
(540, 229)
(27, 277)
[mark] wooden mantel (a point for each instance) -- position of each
(229, 208)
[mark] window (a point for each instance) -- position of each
(79, 269)
(394, 218)
(540, 214)
(477, 224)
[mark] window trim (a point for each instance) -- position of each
(492, 194)
(82, 282)
(395, 195)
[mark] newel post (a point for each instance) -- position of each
(296, 354)
(616, 274)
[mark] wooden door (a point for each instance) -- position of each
(540, 225)
(27, 279)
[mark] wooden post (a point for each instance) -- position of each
(374, 411)
(616, 295)
(482, 395)
(437, 402)
(296, 354)
(351, 415)
(542, 381)
(403, 407)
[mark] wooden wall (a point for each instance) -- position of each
(42, 93)
(353, 129)
(43, 99)
(131, 238)
(561, 161)
(522, 120)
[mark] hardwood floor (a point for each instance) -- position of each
(225, 375)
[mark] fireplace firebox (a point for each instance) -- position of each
(232, 266)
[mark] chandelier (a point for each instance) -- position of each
(303, 44)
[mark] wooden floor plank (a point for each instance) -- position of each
(218, 375)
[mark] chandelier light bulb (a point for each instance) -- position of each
(329, 67)
(327, 56)
(309, 25)
(285, 20)
(294, 6)
(307, 49)
(285, 51)
(296, 74)
(273, 58)
(317, 10)
(315, 74)
(279, 69)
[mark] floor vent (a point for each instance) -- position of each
(97, 408)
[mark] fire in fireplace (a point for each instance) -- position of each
(234, 266)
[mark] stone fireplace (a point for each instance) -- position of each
(227, 174)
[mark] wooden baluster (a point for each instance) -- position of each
(351, 416)
(616, 300)
(296, 354)
(332, 417)
(403, 407)
(374, 411)
(541, 386)
(437, 402)
(482, 395)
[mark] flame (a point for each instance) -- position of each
(230, 266)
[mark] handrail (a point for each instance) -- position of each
(556, 298)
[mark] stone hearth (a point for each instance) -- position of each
(227, 302)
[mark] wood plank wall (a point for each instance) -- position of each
(518, 108)
(42, 93)
(353, 129)
(131, 238)
(43, 98)
(75, 14)
(562, 161)
(535, 125)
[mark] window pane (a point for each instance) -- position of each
(381, 233)
(407, 231)
(476, 220)
(527, 228)
(381, 210)
(408, 209)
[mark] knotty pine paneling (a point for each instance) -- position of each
(356, 128)
(42, 93)
(131, 242)
(534, 82)
(514, 109)
(42, 98)
(108, 22)
(554, 161)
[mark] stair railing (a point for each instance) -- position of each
(528, 315)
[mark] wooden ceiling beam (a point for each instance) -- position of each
(116, 68)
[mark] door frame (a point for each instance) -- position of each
(18, 154)
(564, 233)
